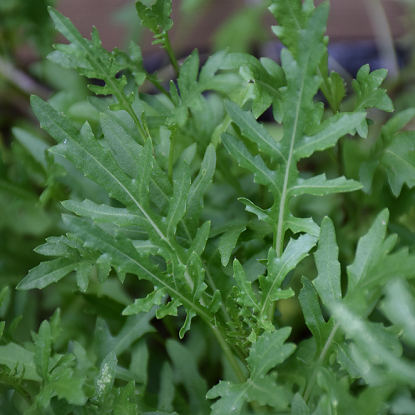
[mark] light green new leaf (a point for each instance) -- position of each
(327, 282)
(267, 352)
(105, 378)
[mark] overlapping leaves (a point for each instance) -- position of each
(299, 62)
(113, 172)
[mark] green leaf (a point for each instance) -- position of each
(292, 17)
(105, 378)
(178, 202)
(263, 79)
(313, 315)
(157, 17)
(42, 350)
(399, 160)
(327, 282)
(246, 296)
(48, 272)
(104, 213)
(267, 352)
(278, 268)
(90, 59)
(166, 394)
(299, 407)
(194, 203)
(122, 404)
(134, 328)
(228, 242)
(13, 355)
(370, 352)
(366, 86)
(399, 307)
(370, 250)
(126, 151)
(300, 63)
(185, 368)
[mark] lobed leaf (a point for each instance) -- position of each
(267, 352)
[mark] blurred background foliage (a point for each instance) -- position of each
(33, 182)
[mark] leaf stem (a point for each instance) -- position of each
(169, 50)
(158, 85)
(228, 353)
(171, 159)
(323, 354)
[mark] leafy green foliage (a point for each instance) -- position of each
(171, 189)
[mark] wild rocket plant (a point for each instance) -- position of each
(200, 201)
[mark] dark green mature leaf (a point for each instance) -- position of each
(313, 316)
(300, 67)
(267, 352)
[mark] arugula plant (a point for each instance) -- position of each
(192, 179)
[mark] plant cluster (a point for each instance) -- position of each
(194, 228)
